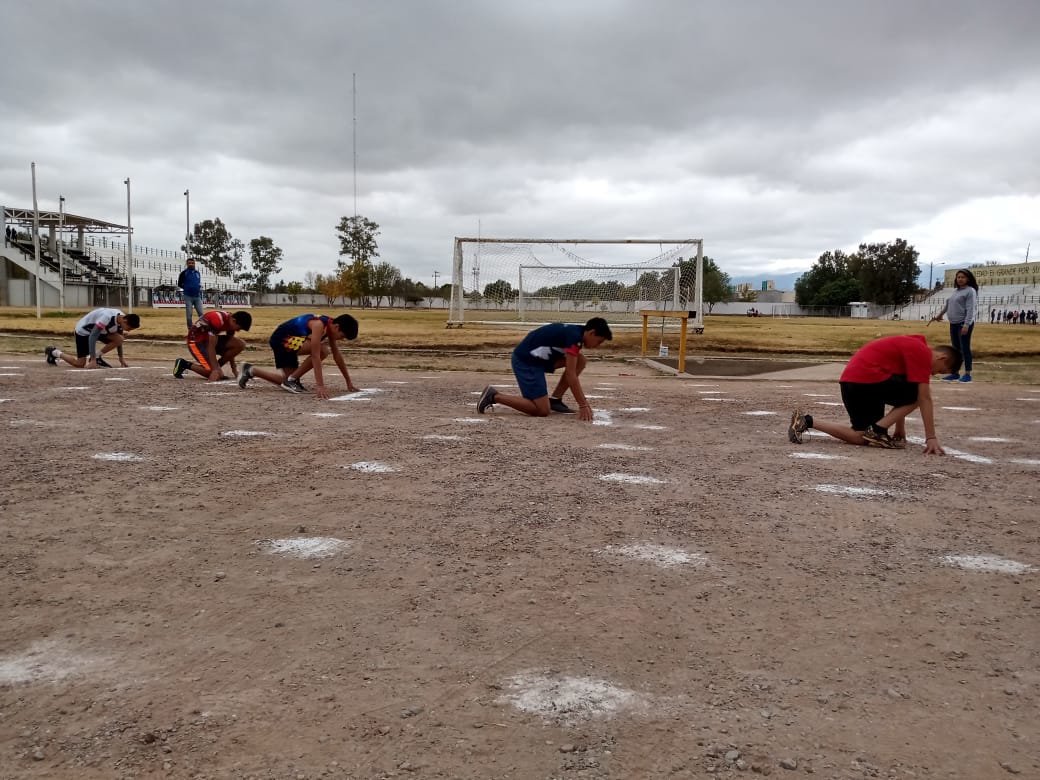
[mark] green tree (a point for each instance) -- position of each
(215, 248)
(499, 291)
(357, 241)
(383, 278)
(829, 267)
(888, 273)
(264, 257)
(717, 287)
(294, 290)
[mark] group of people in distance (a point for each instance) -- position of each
(893, 371)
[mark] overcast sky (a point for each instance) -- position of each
(776, 130)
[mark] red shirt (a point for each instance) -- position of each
(909, 356)
(211, 322)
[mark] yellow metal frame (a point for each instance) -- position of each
(684, 316)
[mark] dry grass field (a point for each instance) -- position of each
(201, 581)
(1004, 353)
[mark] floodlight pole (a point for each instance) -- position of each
(129, 253)
(61, 253)
(36, 241)
(187, 223)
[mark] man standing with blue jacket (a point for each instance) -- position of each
(190, 281)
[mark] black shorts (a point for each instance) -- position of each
(866, 403)
(83, 344)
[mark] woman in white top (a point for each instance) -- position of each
(960, 310)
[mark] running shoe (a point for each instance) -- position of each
(878, 438)
(557, 405)
(951, 377)
(49, 352)
(487, 399)
(797, 427)
(102, 362)
(291, 385)
(965, 378)
(245, 375)
(180, 365)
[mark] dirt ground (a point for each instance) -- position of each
(205, 582)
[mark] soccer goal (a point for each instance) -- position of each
(517, 280)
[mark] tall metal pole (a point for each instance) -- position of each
(129, 253)
(36, 241)
(61, 253)
(187, 223)
(354, 98)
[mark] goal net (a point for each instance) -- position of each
(513, 280)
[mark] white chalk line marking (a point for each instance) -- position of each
(567, 700)
(1026, 461)
(760, 413)
(960, 408)
(74, 387)
(304, 547)
(829, 403)
(651, 427)
(661, 555)
(818, 395)
(996, 439)
(987, 563)
(360, 395)
(443, 437)
(12, 374)
(395, 382)
(854, 492)
(326, 414)
(631, 479)
(627, 447)
(710, 392)
(635, 409)
(817, 456)
(44, 661)
(246, 433)
(372, 467)
(471, 420)
(158, 408)
(1027, 399)
(117, 379)
(118, 456)
(602, 417)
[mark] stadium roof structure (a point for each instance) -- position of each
(59, 219)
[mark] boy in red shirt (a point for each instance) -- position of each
(891, 371)
(213, 335)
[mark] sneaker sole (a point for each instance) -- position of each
(487, 399)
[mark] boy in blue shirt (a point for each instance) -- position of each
(314, 335)
(542, 351)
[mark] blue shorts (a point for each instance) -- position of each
(531, 380)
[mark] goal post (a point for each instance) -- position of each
(517, 280)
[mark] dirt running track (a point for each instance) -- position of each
(262, 585)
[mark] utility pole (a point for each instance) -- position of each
(435, 275)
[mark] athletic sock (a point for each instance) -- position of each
(56, 353)
(808, 420)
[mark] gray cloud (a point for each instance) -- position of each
(776, 131)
